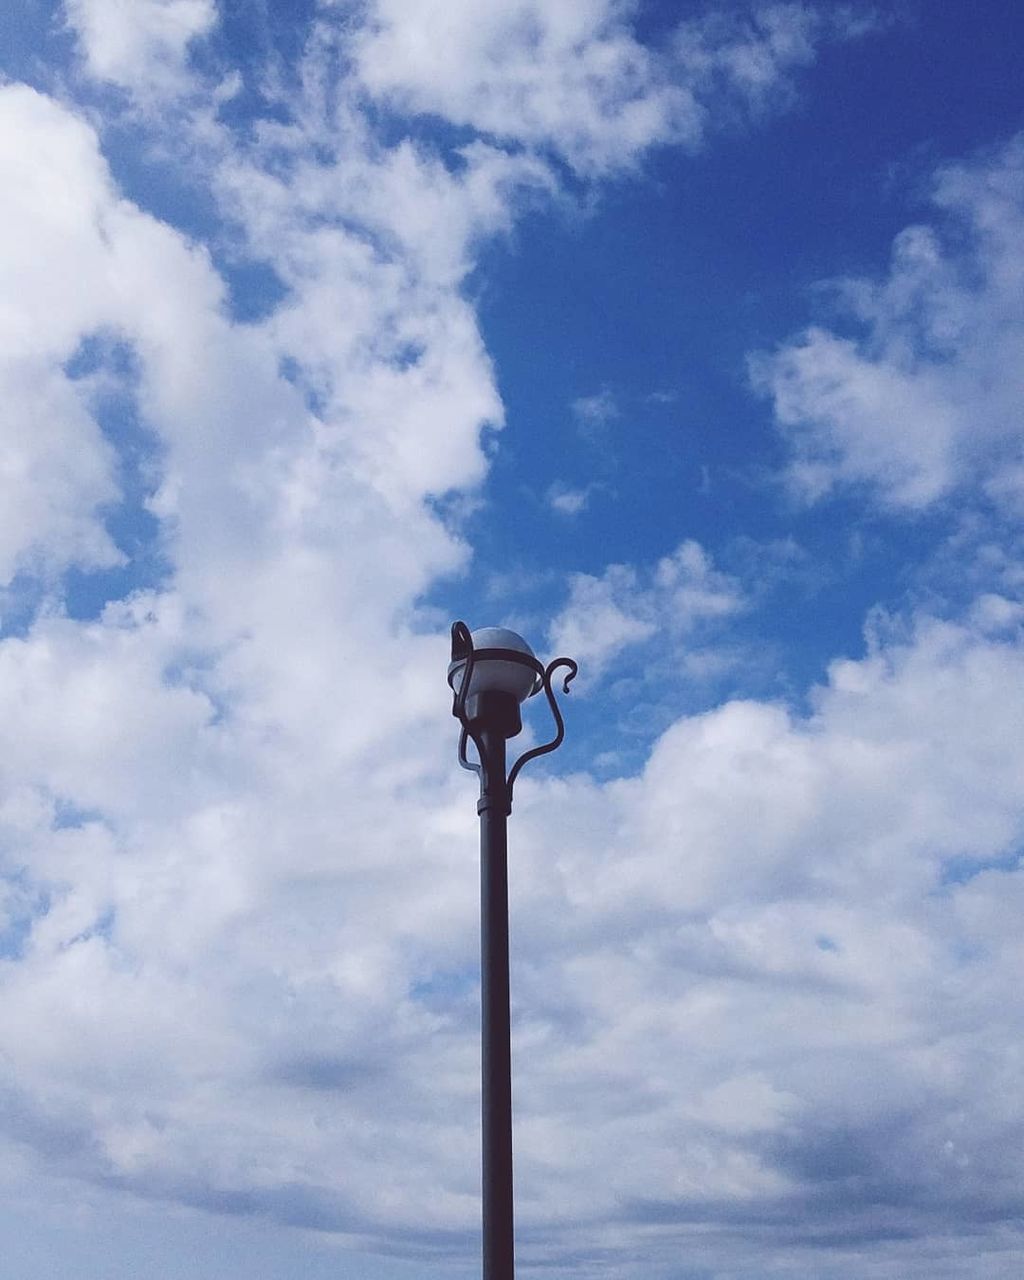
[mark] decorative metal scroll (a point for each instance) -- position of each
(556, 741)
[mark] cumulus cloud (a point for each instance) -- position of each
(55, 207)
(140, 45)
(572, 79)
(239, 939)
(130, 813)
(774, 933)
(624, 606)
(924, 399)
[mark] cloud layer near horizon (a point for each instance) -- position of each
(766, 987)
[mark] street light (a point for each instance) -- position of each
(492, 672)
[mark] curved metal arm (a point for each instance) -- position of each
(556, 741)
(462, 647)
(464, 760)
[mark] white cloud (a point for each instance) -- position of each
(572, 78)
(140, 45)
(128, 794)
(623, 607)
(373, 248)
(763, 968)
(740, 58)
(926, 400)
(718, 964)
(185, 798)
(602, 617)
(241, 907)
(567, 76)
(57, 471)
(56, 475)
(568, 501)
(594, 412)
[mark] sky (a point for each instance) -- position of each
(688, 341)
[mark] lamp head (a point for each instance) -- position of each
(492, 673)
(502, 662)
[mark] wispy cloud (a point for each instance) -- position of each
(567, 501)
(924, 399)
(604, 615)
(575, 81)
(594, 412)
(142, 47)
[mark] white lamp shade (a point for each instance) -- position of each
(493, 673)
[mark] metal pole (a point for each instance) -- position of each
(496, 1047)
(489, 717)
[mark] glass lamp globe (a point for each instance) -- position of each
(501, 675)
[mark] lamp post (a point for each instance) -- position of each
(492, 672)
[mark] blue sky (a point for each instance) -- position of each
(687, 340)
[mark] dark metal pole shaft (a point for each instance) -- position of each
(498, 1246)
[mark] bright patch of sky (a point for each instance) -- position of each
(689, 341)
